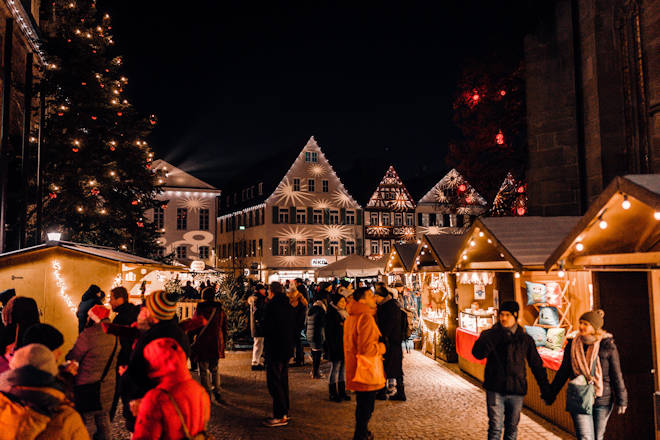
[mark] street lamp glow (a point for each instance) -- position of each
(54, 236)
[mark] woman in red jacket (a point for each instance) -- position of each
(158, 417)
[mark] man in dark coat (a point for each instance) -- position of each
(278, 347)
(158, 319)
(92, 296)
(506, 346)
(126, 314)
(189, 292)
(209, 346)
(257, 302)
(301, 312)
(388, 317)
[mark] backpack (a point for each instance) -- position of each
(407, 323)
(20, 422)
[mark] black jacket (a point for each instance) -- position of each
(136, 381)
(334, 334)
(388, 317)
(278, 329)
(613, 386)
(126, 315)
(89, 299)
(505, 365)
(257, 309)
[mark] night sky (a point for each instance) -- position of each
(234, 83)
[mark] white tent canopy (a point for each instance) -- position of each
(352, 266)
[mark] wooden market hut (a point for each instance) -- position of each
(499, 256)
(618, 242)
(56, 274)
(402, 258)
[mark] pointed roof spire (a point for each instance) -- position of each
(454, 189)
(391, 194)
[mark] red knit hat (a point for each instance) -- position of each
(164, 356)
(98, 313)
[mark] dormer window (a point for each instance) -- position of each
(311, 156)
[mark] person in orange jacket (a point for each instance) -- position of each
(362, 337)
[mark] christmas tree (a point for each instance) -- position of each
(489, 114)
(97, 177)
(511, 199)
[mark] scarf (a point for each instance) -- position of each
(582, 362)
(342, 312)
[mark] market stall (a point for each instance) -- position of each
(503, 259)
(352, 266)
(617, 243)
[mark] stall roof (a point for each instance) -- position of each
(98, 251)
(629, 235)
(353, 266)
(445, 247)
(520, 241)
(406, 253)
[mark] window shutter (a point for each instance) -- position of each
(326, 246)
(342, 216)
(358, 217)
(310, 216)
(326, 216)
(342, 245)
(275, 215)
(292, 246)
(310, 246)
(276, 246)
(292, 215)
(358, 246)
(419, 219)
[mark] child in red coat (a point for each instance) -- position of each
(157, 416)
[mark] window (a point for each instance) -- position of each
(301, 217)
(256, 217)
(350, 247)
(301, 247)
(311, 156)
(374, 218)
(386, 247)
(296, 184)
(410, 219)
(284, 248)
(159, 217)
(374, 248)
(334, 248)
(324, 185)
(260, 188)
(318, 247)
(350, 217)
(386, 219)
(181, 219)
(318, 217)
(445, 219)
(432, 220)
(398, 219)
(310, 185)
(251, 218)
(334, 217)
(203, 252)
(181, 252)
(204, 219)
(283, 216)
(261, 247)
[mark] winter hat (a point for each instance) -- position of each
(164, 356)
(44, 334)
(6, 295)
(511, 307)
(98, 313)
(161, 305)
(398, 284)
(35, 355)
(595, 318)
(259, 287)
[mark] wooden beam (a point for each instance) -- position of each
(651, 258)
(485, 265)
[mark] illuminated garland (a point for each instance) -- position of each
(62, 286)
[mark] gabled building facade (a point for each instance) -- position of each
(389, 216)
(187, 216)
(286, 228)
(449, 207)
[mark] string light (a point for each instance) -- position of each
(561, 274)
(517, 275)
(472, 243)
(62, 286)
(579, 247)
(656, 215)
(626, 203)
(481, 234)
(602, 224)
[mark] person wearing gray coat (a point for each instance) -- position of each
(96, 352)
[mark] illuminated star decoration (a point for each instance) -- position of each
(286, 195)
(297, 233)
(342, 199)
(317, 170)
(377, 230)
(430, 230)
(322, 203)
(401, 202)
(336, 232)
(193, 203)
(289, 261)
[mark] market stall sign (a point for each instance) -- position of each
(318, 262)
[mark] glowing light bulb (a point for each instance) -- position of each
(465, 257)
(472, 243)
(517, 274)
(481, 234)
(626, 203)
(656, 215)
(561, 274)
(579, 247)
(602, 224)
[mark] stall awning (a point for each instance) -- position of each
(406, 255)
(444, 248)
(352, 266)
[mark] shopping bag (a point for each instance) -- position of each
(580, 396)
(369, 370)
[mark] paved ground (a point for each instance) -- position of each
(442, 404)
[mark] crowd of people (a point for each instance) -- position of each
(139, 361)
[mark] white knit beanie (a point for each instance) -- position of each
(36, 355)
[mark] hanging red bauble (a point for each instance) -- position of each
(134, 202)
(475, 98)
(95, 191)
(94, 118)
(148, 166)
(462, 187)
(521, 189)
(101, 85)
(521, 211)
(75, 150)
(502, 92)
(83, 83)
(119, 113)
(499, 138)
(112, 148)
(52, 195)
(140, 225)
(60, 114)
(68, 40)
(93, 51)
(468, 200)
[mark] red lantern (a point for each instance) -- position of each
(499, 138)
(83, 83)
(134, 202)
(140, 225)
(468, 199)
(60, 114)
(462, 187)
(521, 211)
(112, 148)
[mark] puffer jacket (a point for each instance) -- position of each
(44, 396)
(334, 333)
(278, 329)
(92, 350)
(157, 417)
(361, 336)
(613, 387)
(388, 317)
(505, 355)
(316, 325)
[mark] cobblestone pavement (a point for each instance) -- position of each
(442, 404)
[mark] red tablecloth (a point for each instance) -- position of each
(551, 358)
(465, 340)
